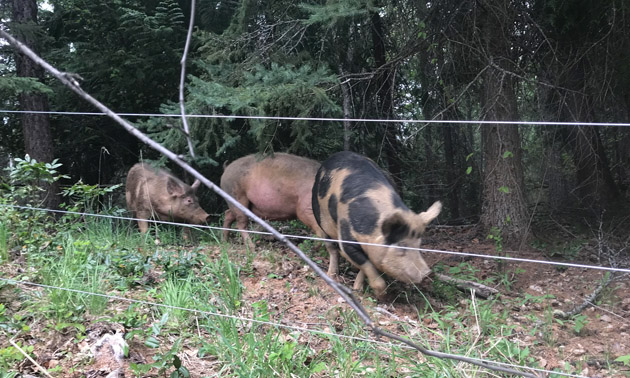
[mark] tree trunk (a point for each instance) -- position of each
(38, 143)
(347, 113)
(452, 179)
(384, 100)
(503, 201)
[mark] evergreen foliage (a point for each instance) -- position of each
(348, 58)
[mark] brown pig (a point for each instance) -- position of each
(277, 187)
(153, 192)
(353, 200)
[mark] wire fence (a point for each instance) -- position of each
(278, 325)
(303, 237)
(330, 119)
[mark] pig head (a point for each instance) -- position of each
(153, 192)
(276, 187)
(354, 201)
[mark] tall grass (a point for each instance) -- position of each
(75, 269)
(4, 243)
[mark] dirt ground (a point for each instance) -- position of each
(296, 297)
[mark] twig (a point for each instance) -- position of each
(183, 78)
(587, 301)
(480, 290)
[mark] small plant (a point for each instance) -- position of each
(131, 317)
(579, 322)
(162, 361)
(625, 360)
(507, 277)
(177, 292)
(547, 332)
(10, 355)
(87, 197)
(226, 281)
(178, 264)
(495, 235)
(4, 243)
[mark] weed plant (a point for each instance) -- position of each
(4, 243)
(177, 292)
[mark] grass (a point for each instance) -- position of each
(4, 243)
(105, 256)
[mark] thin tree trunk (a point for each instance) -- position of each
(384, 95)
(38, 142)
(453, 182)
(347, 113)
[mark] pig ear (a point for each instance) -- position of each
(195, 185)
(431, 213)
(395, 228)
(174, 188)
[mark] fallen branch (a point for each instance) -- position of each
(481, 291)
(588, 301)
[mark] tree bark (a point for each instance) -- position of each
(503, 201)
(38, 143)
(384, 99)
(452, 179)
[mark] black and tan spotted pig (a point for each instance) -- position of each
(353, 200)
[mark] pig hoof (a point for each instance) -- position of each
(385, 297)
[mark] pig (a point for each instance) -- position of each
(353, 200)
(153, 192)
(276, 187)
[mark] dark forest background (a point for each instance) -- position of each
(553, 60)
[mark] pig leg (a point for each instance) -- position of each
(358, 258)
(305, 214)
(229, 219)
(377, 283)
(333, 265)
(143, 225)
(242, 223)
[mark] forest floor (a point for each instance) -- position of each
(586, 345)
(601, 335)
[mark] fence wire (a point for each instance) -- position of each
(302, 237)
(278, 325)
(331, 119)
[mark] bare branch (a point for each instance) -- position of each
(182, 79)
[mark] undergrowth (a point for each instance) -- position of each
(99, 261)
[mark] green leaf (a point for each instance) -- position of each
(507, 154)
(468, 170)
(152, 342)
(624, 359)
(504, 189)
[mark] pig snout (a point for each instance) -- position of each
(405, 265)
(200, 217)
